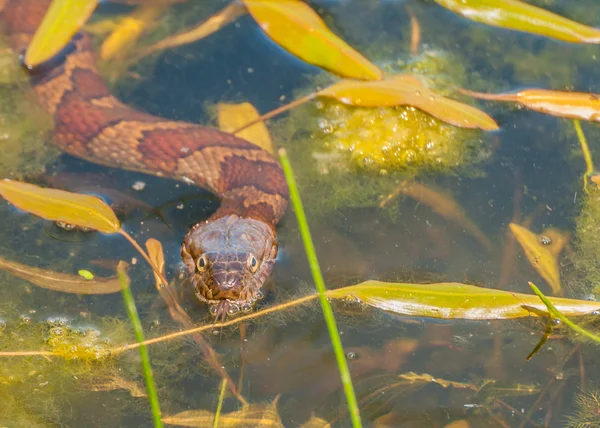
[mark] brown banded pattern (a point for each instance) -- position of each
(228, 256)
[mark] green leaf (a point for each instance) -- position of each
(452, 300)
(63, 19)
(297, 28)
(58, 205)
(516, 15)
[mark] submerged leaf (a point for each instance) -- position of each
(63, 19)
(157, 255)
(59, 281)
(452, 300)
(298, 29)
(129, 30)
(213, 24)
(542, 251)
(233, 116)
(443, 204)
(408, 90)
(58, 205)
(251, 415)
(574, 105)
(520, 16)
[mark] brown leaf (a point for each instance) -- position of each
(442, 203)
(213, 24)
(58, 205)
(251, 415)
(59, 281)
(574, 105)
(406, 89)
(113, 383)
(156, 254)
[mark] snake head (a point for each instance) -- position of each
(228, 260)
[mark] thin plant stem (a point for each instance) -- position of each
(277, 111)
(202, 328)
(557, 314)
(311, 255)
(220, 403)
(139, 336)
(587, 155)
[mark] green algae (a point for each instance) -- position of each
(586, 259)
(355, 156)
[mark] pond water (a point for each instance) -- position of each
(407, 371)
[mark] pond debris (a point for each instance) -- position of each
(84, 283)
(573, 105)
(542, 252)
(250, 415)
(440, 202)
(113, 382)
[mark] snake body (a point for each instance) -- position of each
(228, 256)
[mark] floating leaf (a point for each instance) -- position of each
(232, 116)
(452, 300)
(443, 204)
(129, 30)
(520, 16)
(58, 205)
(408, 90)
(542, 251)
(63, 19)
(59, 281)
(213, 24)
(251, 415)
(574, 105)
(298, 29)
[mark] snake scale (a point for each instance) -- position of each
(228, 256)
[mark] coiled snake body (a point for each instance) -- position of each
(228, 256)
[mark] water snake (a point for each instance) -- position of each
(229, 255)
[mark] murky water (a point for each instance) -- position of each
(528, 171)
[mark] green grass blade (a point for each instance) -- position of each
(139, 336)
(557, 314)
(220, 404)
(334, 335)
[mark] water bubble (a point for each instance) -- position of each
(139, 186)
(545, 240)
(352, 355)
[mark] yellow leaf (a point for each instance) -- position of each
(59, 281)
(520, 16)
(408, 90)
(298, 29)
(63, 19)
(542, 252)
(129, 30)
(205, 29)
(58, 205)
(233, 116)
(573, 105)
(452, 300)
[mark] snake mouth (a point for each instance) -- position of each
(223, 309)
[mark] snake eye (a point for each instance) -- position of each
(201, 264)
(252, 263)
